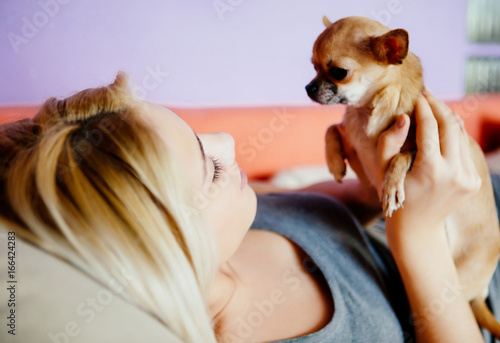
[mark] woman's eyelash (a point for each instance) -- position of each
(217, 168)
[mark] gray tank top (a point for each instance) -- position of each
(370, 304)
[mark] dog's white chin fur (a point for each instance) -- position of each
(357, 93)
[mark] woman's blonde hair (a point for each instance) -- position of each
(89, 181)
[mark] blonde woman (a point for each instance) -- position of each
(107, 182)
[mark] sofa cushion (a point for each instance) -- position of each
(57, 303)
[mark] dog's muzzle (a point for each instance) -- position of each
(313, 88)
(324, 92)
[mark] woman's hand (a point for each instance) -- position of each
(443, 174)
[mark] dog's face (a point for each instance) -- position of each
(351, 58)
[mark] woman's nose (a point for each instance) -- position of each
(220, 145)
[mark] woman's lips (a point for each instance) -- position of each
(244, 179)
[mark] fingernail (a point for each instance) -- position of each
(426, 91)
(401, 121)
(459, 119)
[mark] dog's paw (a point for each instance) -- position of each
(393, 195)
(335, 156)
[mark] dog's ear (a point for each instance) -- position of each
(326, 21)
(391, 47)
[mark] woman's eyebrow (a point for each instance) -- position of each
(202, 156)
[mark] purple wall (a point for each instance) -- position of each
(188, 52)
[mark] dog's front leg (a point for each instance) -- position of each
(335, 155)
(393, 192)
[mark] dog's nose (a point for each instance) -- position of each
(312, 88)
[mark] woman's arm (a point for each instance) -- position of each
(440, 313)
(442, 176)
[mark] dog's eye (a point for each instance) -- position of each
(337, 73)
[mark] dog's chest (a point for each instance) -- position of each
(356, 121)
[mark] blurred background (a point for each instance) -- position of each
(227, 52)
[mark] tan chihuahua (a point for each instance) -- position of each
(365, 65)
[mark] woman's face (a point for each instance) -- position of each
(219, 187)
